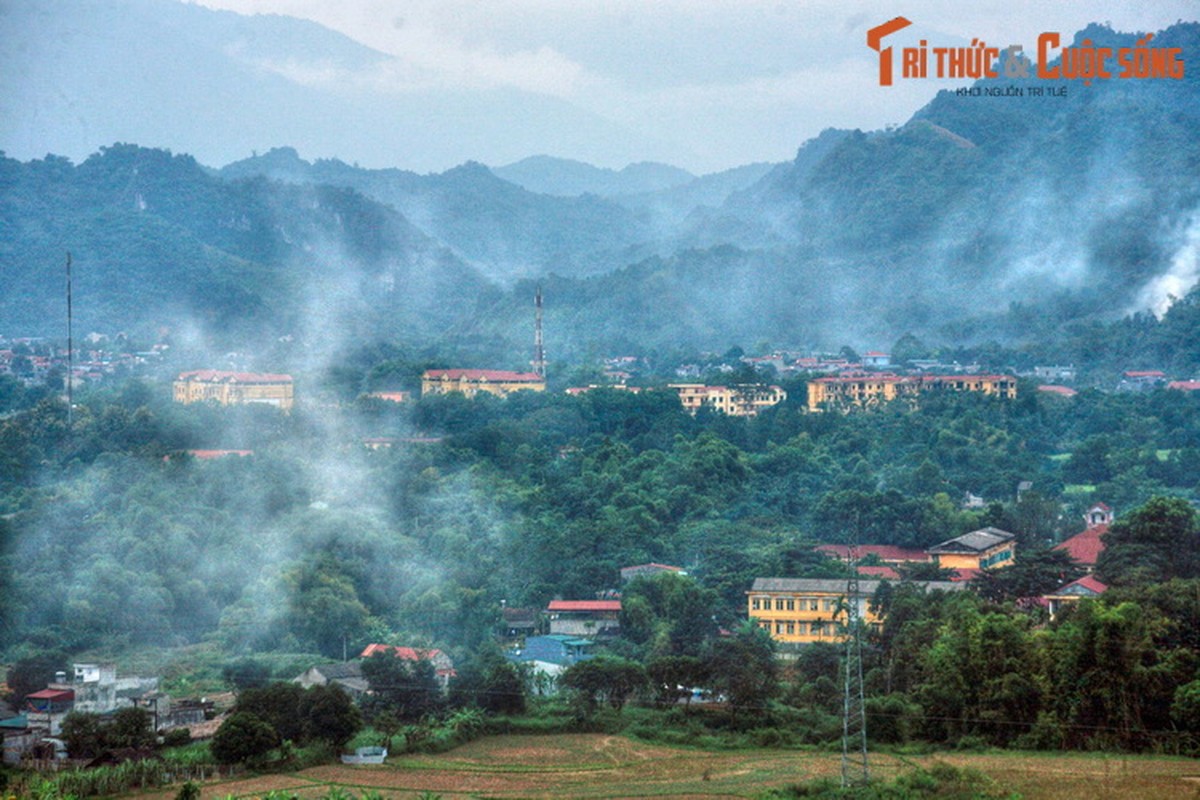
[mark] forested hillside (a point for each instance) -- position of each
(1008, 219)
(113, 539)
(159, 244)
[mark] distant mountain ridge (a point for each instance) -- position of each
(568, 178)
(978, 219)
(504, 230)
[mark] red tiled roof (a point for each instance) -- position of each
(883, 573)
(1085, 547)
(889, 377)
(407, 653)
(967, 574)
(395, 397)
(584, 605)
(1186, 386)
(1101, 506)
(206, 455)
(886, 552)
(221, 376)
(654, 565)
(1064, 391)
(483, 375)
(1089, 582)
(1145, 373)
(52, 694)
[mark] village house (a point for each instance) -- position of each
(551, 654)
(19, 738)
(986, 548)
(234, 388)
(46, 709)
(471, 382)
(887, 553)
(1085, 588)
(876, 359)
(346, 674)
(575, 391)
(584, 618)
(390, 396)
(807, 610)
(1085, 548)
(1141, 380)
(744, 400)
(648, 570)
(517, 622)
(93, 689)
(1057, 390)
(443, 667)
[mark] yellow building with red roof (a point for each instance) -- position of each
(234, 388)
(471, 382)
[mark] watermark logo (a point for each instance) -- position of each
(1085, 62)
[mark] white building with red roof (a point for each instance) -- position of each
(585, 618)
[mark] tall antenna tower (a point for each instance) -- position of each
(854, 708)
(539, 351)
(70, 351)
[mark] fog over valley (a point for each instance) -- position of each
(394, 387)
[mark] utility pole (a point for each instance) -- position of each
(539, 352)
(70, 351)
(854, 710)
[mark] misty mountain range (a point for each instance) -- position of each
(1077, 207)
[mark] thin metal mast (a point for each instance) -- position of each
(70, 350)
(855, 771)
(539, 352)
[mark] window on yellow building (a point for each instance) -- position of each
(754, 603)
(779, 604)
(791, 605)
(791, 628)
(812, 604)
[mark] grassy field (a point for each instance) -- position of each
(600, 766)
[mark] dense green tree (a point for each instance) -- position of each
(278, 705)
(83, 734)
(1034, 573)
(329, 715)
(743, 669)
(668, 614)
(243, 737)
(674, 678)
(246, 673)
(604, 679)
(405, 688)
(489, 682)
(1155, 542)
(130, 727)
(32, 674)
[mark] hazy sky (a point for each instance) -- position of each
(708, 84)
